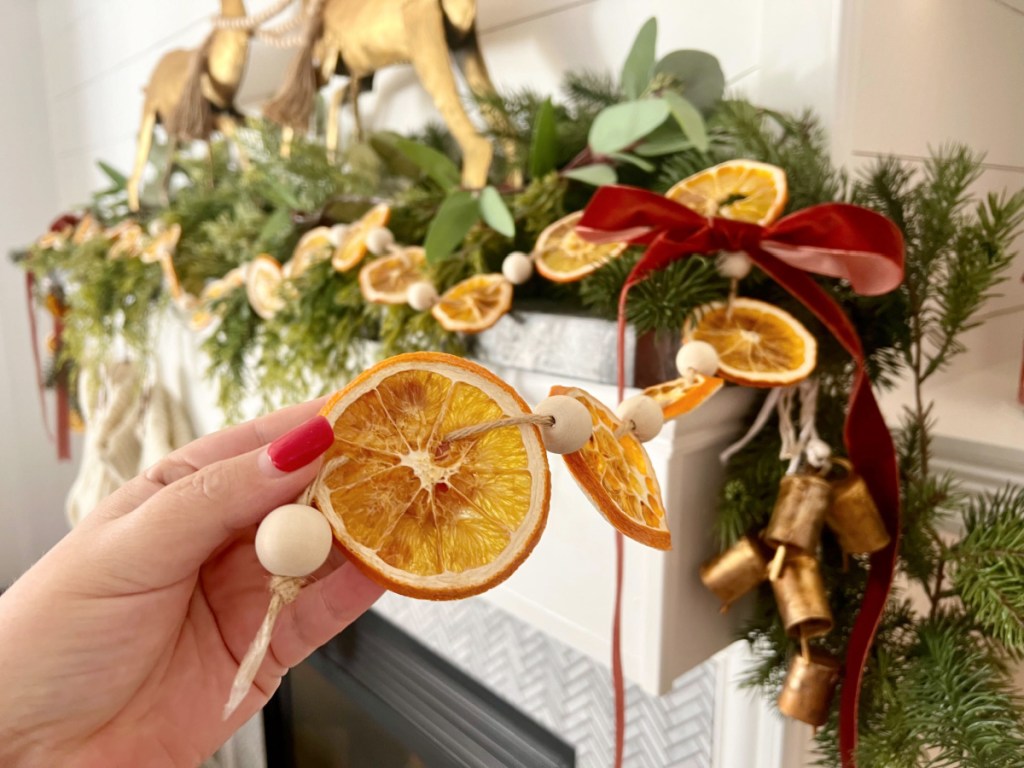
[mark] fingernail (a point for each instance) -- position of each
(300, 446)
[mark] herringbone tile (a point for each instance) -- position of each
(564, 690)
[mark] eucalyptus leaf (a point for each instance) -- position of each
(622, 125)
(456, 216)
(279, 194)
(667, 140)
(689, 119)
(395, 161)
(434, 164)
(119, 179)
(598, 174)
(698, 74)
(275, 228)
(639, 162)
(544, 143)
(495, 213)
(636, 72)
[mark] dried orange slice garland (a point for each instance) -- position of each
(742, 190)
(562, 256)
(353, 246)
(682, 395)
(475, 304)
(263, 283)
(424, 516)
(387, 280)
(758, 344)
(615, 473)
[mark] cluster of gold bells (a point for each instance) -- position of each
(806, 502)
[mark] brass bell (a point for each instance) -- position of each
(853, 516)
(809, 686)
(799, 512)
(801, 598)
(735, 571)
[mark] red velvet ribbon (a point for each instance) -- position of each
(833, 239)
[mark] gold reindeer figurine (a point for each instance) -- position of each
(192, 91)
(357, 38)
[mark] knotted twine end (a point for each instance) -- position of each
(283, 590)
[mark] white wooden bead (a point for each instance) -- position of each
(421, 296)
(517, 267)
(734, 265)
(293, 540)
(698, 356)
(379, 240)
(337, 234)
(572, 427)
(818, 452)
(642, 415)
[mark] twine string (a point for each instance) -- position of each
(510, 421)
(283, 590)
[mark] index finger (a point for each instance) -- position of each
(212, 448)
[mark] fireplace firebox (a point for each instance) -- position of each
(376, 698)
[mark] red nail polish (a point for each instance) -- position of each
(301, 445)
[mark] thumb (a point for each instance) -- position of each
(174, 531)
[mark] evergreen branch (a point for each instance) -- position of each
(988, 566)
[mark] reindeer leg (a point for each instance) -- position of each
(471, 61)
(334, 122)
(227, 125)
(165, 177)
(287, 133)
(425, 41)
(353, 98)
(145, 143)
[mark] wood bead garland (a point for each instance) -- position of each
(697, 356)
(337, 234)
(517, 267)
(642, 416)
(734, 265)
(572, 426)
(379, 241)
(422, 296)
(293, 540)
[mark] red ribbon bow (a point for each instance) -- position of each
(833, 239)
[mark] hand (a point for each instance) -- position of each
(118, 648)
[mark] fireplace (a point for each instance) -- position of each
(376, 698)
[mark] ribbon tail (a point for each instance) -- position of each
(872, 452)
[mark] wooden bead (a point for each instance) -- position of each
(293, 540)
(517, 267)
(818, 452)
(698, 356)
(337, 234)
(379, 240)
(734, 265)
(421, 296)
(642, 415)
(572, 427)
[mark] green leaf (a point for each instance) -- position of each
(456, 216)
(119, 179)
(698, 74)
(434, 164)
(276, 227)
(639, 162)
(495, 213)
(622, 125)
(544, 144)
(279, 194)
(598, 174)
(395, 161)
(689, 119)
(667, 144)
(636, 72)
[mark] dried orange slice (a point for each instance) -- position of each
(126, 239)
(352, 248)
(742, 190)
(313, 247)
(475, 304)
(387, 280)
(263, 283)
(421, 515)
(163, 246)
(202, 315)
(758, 344)
(562, 256)
(616, 475)
(88, 228)
(684, 394)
